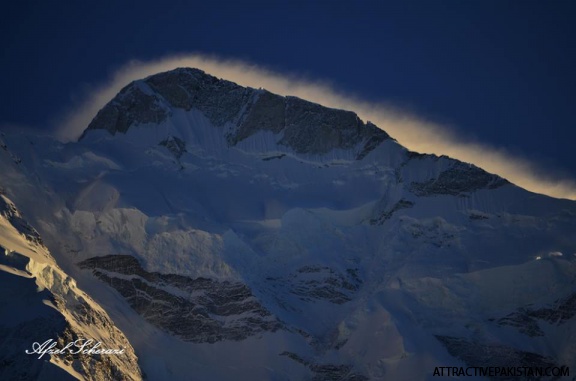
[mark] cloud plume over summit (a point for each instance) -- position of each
(409, 130)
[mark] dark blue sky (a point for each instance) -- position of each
(501, 72)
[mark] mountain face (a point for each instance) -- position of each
(41, 303)
(234, 234)
(243, 111)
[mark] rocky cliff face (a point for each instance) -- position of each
(529, 319)
(199, 310)
(303, 126)
(313, 283)
(460, 179)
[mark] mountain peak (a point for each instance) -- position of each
(303, 126)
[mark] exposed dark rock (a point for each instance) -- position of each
(12, 214)
(418, 155)
(373, 141)
(477, 216)
(435, 232)
(330, 372)
(201, 310)
(132, 106)
(175, 145)
(267, 113)
(385, 215)
(95, 367)
(459, 180)
(526, 319)
(561, 311)
(327, 372)
(220, 100)
(274, 157)
(523, 322)
(312, 283)
(311, 128)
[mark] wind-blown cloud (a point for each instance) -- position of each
(409, 130)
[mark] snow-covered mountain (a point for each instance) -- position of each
(235, 234)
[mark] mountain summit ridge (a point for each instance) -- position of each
(244, 110)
